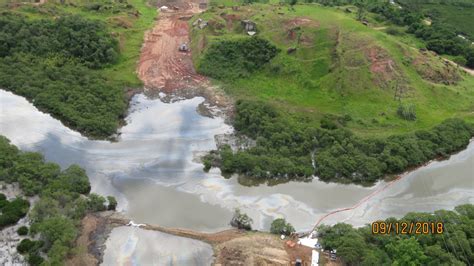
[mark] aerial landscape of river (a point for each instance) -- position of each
(154, 172)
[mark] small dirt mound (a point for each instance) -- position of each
(255, 249)
(296, 30)
(230, 20)
(295, 22)
(381, 64)
(384, 69)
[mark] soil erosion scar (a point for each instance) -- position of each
(162, 65)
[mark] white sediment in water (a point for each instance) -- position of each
(9, 238)
(152, 173)
(133, 246)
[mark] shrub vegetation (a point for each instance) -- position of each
(65, 57)
(281, 227)
(50, 62)
(64, 201)
(241, 220)
(12, 211)
(407, 112)
(284, 148)
(230, 59)
(22, 231)
(361, 247)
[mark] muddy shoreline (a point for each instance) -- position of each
(229, 246)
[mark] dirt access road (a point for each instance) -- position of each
(162, 66)
(231, 247)
(236, 247)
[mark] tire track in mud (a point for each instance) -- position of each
(162, 66)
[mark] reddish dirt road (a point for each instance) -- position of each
(162, 66)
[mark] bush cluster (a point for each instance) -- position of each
(285, 147)
(281, 227)
(31, 248)
(70, 36)
(241, 220)
(406, 112)
(64, 200)
(22, 231)
(12, 211)
(230, 59)
(50, 61)
(362, 247)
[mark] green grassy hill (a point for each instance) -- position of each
(340, 67)
(323, 94)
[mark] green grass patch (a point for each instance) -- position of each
(331, 71)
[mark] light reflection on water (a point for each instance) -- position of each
(152, 173)
(135, 246)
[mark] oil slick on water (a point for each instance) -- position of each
(151, 170)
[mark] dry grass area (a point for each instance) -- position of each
(433, 69)
(231, 247)
(257, 249)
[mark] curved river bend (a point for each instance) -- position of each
(151, 171)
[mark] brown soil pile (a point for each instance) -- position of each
(296, 26)
(252, 249)
(162, 66)
(382, 66)
(300, 21)
(230, 19)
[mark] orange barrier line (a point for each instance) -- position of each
(363, 200)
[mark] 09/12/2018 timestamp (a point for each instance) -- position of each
(407, 228)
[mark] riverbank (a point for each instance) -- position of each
(230, 246)
(165, 65)
(153, 164)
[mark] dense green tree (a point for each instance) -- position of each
(63, 200)
(71, 36)
(12, 211)
(362, 247)
(280, 226)
(22, 230)
(27, 245)
(407, 252)
(232, 59)
(112, 203)
(35, 259)
(96, 203)
(285, 147)
(351, 247)
(51, 62)
(56, 230)
(241, 220)
(78, 96)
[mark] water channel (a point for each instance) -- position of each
(153, 172)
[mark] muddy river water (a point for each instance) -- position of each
(153, 172)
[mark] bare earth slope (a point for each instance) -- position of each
(162, 66)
